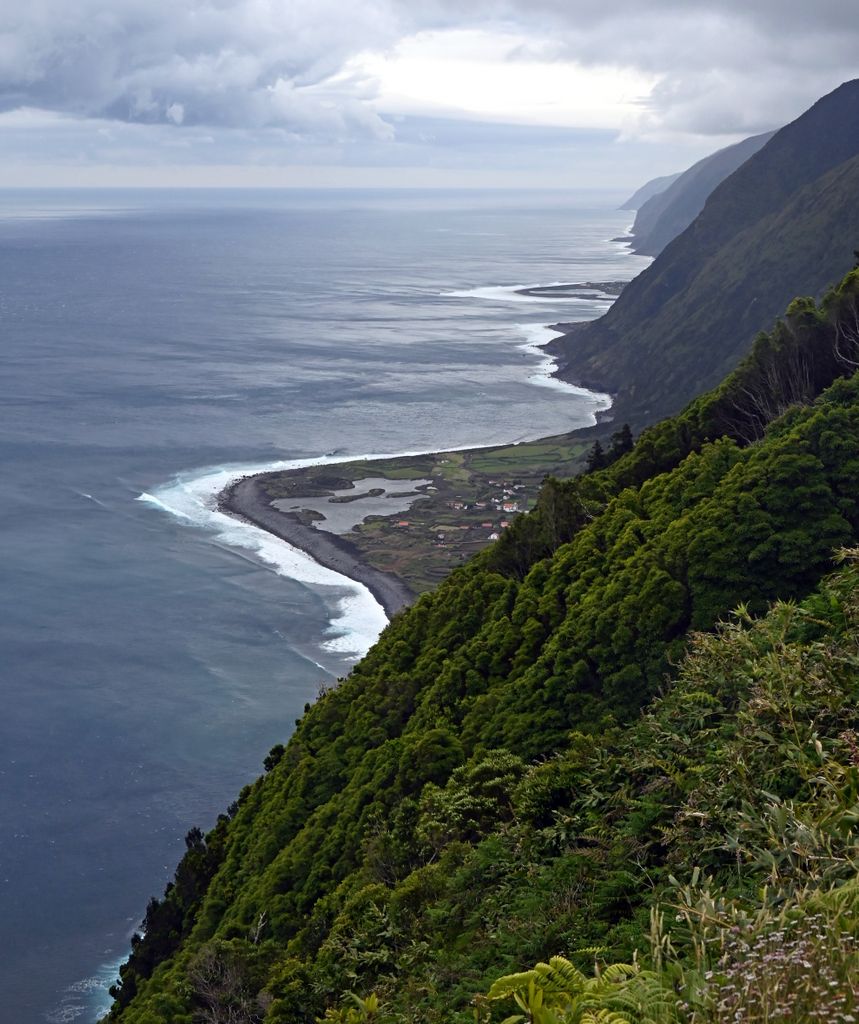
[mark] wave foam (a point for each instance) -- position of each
(358, 617)
(192, 498)
(537, 336)
(595, 298)
(89, 996)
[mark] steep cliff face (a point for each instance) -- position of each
(785, 222)
(648, 190)
(672, 209)
(409, 836)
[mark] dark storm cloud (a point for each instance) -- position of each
(724, 67)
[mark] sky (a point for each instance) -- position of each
(402, 93)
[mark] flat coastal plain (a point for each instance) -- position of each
(446, 506)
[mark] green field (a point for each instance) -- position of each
(439, 536)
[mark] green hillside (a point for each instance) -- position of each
(535, 756)
(785, 222)
(672, 209)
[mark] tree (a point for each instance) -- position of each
(596, 458)
(621, 442)
(225, 982)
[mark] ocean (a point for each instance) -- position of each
(156, 345)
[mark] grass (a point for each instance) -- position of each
(472, 477)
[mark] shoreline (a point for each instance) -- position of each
(244, 499)
(557, 352)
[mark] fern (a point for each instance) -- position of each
(605, 1017)
(557, 992)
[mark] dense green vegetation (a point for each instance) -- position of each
(784, 223)
(547, 755)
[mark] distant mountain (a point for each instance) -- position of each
(785, 222)
(672, 209)
(648, 190)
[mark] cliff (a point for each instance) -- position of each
(647, 190)
(668, 212)
(786, 222)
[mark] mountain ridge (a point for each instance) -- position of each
(789, 208)
(648, 190)
(671, 210)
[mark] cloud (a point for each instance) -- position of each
(228, 63)
(272, 83)
(499, 75)
(724, 67)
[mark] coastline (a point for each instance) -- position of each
(186, 516)
(245, 499)
(203, 499)
(217, 497)
(557, 352)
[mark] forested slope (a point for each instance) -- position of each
(457, 807)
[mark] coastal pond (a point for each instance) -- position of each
(344, 509)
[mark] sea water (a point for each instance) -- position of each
(154, 346)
